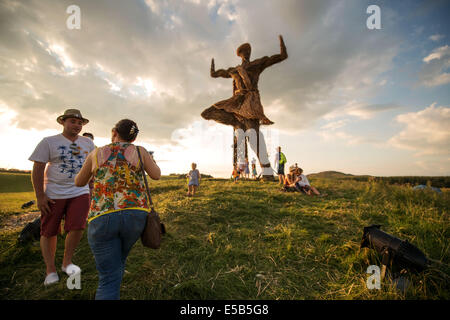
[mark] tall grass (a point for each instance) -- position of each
(251, 241)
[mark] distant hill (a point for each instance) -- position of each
(435, 181)
(330, 175)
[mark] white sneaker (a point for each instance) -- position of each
(51, 278)
(71, 269)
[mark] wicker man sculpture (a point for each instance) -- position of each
(244, 110)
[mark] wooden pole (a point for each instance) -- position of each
(234, 148)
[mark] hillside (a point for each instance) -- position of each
(249, 240)
(15, 182)
(329, 175)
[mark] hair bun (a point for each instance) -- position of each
(127, 129)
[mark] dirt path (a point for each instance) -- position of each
(19, 220)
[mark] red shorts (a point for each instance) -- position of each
(74, 210)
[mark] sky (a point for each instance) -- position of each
(348, 98)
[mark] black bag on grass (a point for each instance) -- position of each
(31, 232)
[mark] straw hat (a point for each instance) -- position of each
(71, 113)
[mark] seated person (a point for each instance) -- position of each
(303, 184)
(290, 180)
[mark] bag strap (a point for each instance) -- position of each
(145, 180)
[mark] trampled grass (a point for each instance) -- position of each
(251, 241)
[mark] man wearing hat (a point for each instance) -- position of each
(57, 160)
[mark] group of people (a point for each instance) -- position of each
(242, 171)
(115, 210)
(104, 188)
(295, 180)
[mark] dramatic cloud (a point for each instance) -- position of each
(149, 60)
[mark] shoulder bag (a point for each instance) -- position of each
(152, 235)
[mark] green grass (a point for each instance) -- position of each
(251, 241)
(15, 182)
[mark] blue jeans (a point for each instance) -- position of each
(111, 238)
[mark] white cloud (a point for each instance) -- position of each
(335, 124)
(360, 110)
(426, 132)
(434, 71)
(438, 53)
(436, 37)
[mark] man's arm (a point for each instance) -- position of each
(219, 73)
(37, 178)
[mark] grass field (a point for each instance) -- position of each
(251, 241)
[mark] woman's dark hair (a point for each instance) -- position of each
(89, 135)
(127, 129)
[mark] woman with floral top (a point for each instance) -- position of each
(119, 205)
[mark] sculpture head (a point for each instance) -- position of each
(244, 51)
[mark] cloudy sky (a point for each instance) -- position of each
(348, 98)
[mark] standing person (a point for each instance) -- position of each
(254, 173)
(119, 205)
(279, 162)
(57, 159)
(246, 170)
(241, 168)
(194, 180)
(235, 174)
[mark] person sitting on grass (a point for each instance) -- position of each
(290, 180)
(194, 180)
(303, 184)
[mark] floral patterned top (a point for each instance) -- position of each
(118, 184)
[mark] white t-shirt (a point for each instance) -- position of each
(304, 181)
(64, 160)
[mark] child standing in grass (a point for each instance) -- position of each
(235, 174)
(194, 180)
(254, 173)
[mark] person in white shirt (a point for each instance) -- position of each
(304, 185)
(57, 160)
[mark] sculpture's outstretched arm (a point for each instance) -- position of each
(268, 61)
(221, 72)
